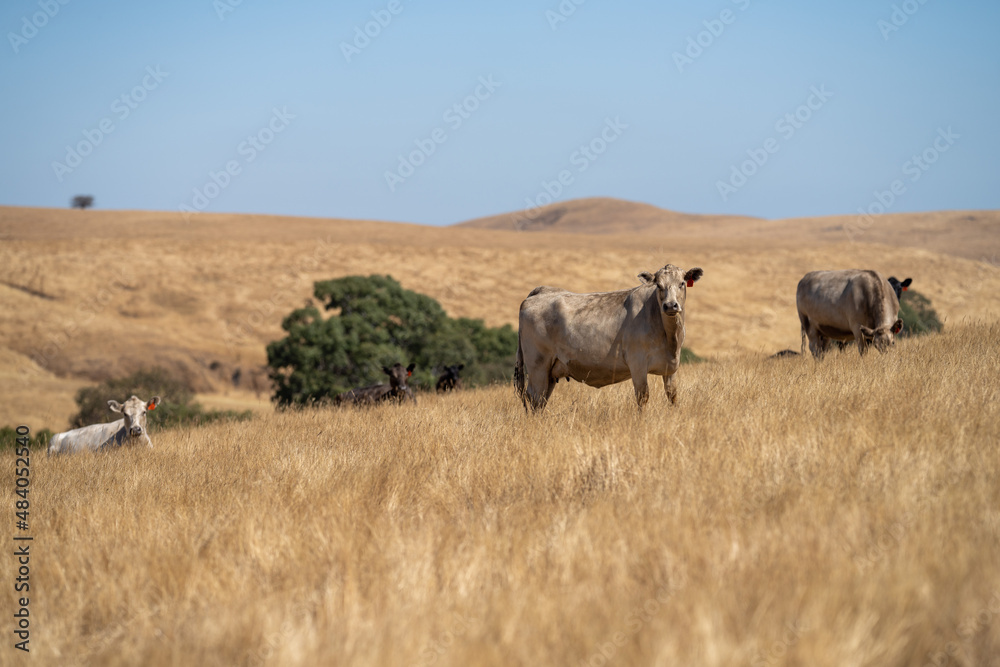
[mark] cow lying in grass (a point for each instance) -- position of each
(129, 430)
(396, 391)
(450, 380)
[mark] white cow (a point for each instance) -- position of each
(130, 429)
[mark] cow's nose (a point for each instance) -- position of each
(671, 308)
(136, 430)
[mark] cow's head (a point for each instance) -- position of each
(899, 287)
(451, 372)
(398, 375)
(134, 411)
(883, 337)
(671, 287)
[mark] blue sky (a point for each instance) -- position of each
(774, 109)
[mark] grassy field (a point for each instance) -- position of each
(89, 295)
(785, 512)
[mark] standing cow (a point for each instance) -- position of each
(449, 380)
(603, 338)
(397, 390)
(130, 429)
(847, 305)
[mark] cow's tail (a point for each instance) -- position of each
(804, 321)
(519, 369)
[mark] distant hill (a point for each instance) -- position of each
(599, 215)
(969, 234)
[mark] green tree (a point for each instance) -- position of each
(377, 323)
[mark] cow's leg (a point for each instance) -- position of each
(670, 387)
(859, 338)
(817, 342)
(640, 382)
(540, 386)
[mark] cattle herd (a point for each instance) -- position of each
(599, 338)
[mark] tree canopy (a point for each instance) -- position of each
(376, 323)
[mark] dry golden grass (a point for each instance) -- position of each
(130, 289)
(786, 512)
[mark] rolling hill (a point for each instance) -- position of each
(93, 294)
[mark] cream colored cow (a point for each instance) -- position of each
(130, 429)
(604, 337)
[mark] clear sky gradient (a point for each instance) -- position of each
(774, 109)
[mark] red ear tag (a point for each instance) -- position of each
(690, 283)
(151, 406)
(905, 288)
(409, 373)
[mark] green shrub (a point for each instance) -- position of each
(689, 357)
(378, 323)
(177, 405)
(38, 439)
(918, 316)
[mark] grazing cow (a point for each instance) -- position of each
(397, 390)
(847, 305)
(899, 287)
(602, 338)
(130, 429)
(449, 380)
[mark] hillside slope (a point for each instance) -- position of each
(89, 295)
(969, 234)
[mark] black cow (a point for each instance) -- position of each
(899, 287)
(396, 391)
(449, 380)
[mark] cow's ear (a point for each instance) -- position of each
(897, 326)
(115, 406)
(867, 332)
(692, 275)
(153, 403)
(906, 283)
(385, 369)
(409, 369)
(646, 277)
(461, 366)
